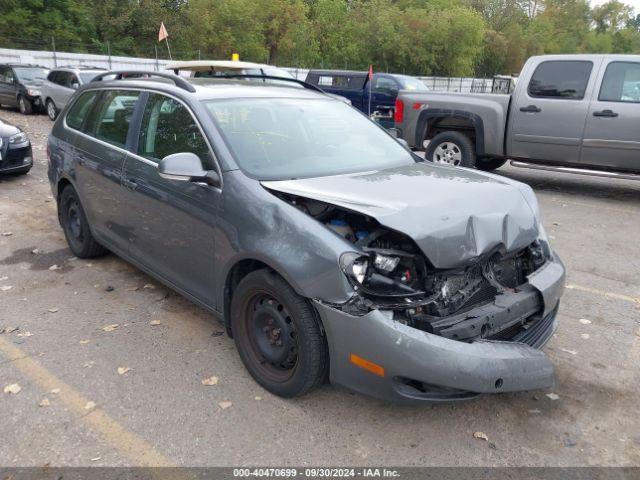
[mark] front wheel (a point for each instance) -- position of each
(277, 335)
(451, 148)
(52, 111)
(24, 105)
(76, 227)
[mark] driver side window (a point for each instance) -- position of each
(167, 128)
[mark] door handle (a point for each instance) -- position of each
(605, 113)
(531, 109)
(130, 183)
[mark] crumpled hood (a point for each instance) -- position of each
(452, 214)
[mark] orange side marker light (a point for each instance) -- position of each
(367, 365)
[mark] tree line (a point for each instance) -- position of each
(426, 37)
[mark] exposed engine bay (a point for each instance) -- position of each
(392, 273)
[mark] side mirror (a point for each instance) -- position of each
(75, 86)
(187, 167)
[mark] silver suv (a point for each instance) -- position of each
(61, 84)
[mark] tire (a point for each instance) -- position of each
(277, 335)
(52, 110)
(451, 148)
(488, 164)
(25, 106)
(76, 227)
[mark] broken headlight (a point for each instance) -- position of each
(372, 274)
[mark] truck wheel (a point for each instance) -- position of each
(451, 148)
(24, 105)
(488, 164)
(277, 335)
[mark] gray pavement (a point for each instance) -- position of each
(159, 413)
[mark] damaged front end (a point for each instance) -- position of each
(487, 298)
(437, 333)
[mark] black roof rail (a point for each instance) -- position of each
(306, 85)
(178, 81)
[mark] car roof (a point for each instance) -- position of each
(82, 68)
(213, 88)
(204, 65)
(33, 65)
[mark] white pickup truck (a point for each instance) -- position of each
(575, 113)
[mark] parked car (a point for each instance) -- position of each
(15, 150)
(355, 87)
(203, 69)
(304, 227)
(62, 83)
(20, 86)
(575, 111)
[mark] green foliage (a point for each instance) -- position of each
(428, 37)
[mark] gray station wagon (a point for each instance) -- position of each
(328, 249)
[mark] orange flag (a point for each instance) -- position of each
(162, 34)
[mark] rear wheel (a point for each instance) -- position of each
(76, 227)
(24, 105)
(52, 111)
(451, 148)
(277, 335)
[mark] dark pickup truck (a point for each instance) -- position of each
(354, 86)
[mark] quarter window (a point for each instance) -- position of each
(560, 79)
(80, 109)
(167, 128)
(621, 83)
(114, 116)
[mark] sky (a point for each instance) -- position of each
(634, 3)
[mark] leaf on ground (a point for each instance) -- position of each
(6, 288)
(53, 310)
(95, 459)
(257, 397)
(225, 404)
(153, 323)
(553, 396)
(133, 289)
(7, 234)
(89, 364)
(2, 279)
(585, 336)
(25, 334)
(90, 405)
(55, 391)
(55, 267)
(584, 321)
(210, 381)
(8, 329)
(572, 352)
(480, 436)
(123, 370)
(149, 286)
(12, 388)
(110, 328)
(44, 402)
(84, 342)
(35, 251)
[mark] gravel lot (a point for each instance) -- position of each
(159, 412)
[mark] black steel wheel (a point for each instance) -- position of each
(76, 227)
(277, 335)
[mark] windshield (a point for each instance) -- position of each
(284, 138)
(30, 74)
(86, 77)
(410, 83)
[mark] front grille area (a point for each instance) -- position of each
(535, 335)
(13, 157)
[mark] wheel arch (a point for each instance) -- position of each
(434, 121)
(240, 268)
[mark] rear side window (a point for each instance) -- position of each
(621, 83)
(167, 128)
(113, 116)
(80, 109)
(560, 79)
